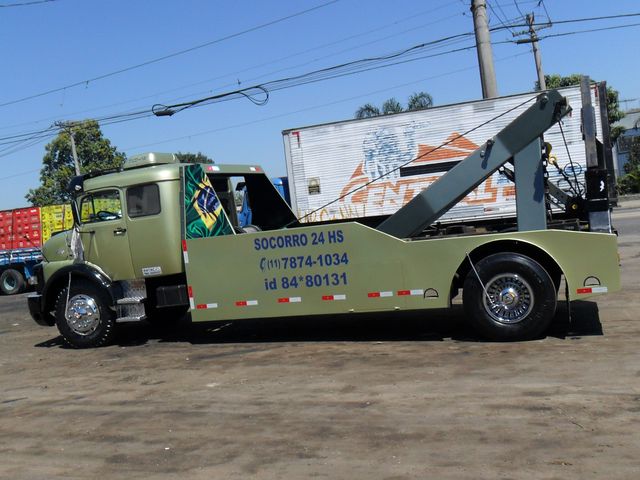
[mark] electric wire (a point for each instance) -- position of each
(271, 62)
(591, 30)
(363, 95)
(349, 68)
(518, 8)
(170, 55)
(498, 16)
(25, 4)
(578, 20)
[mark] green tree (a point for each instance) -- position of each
(417, 101)
(391, 106)
(630, 182)
(367, 111)
(193, 158)
(613, 106)
(94, 153)
(420, 101)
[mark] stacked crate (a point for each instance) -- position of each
(29, 228)
(20, 229)
(54, 219)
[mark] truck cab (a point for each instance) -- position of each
(126, 243)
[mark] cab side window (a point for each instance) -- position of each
(143, 200)
(100, 207)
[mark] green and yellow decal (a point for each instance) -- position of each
(203, 213)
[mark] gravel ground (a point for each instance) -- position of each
(371, 397)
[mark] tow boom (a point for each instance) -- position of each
(519, 140)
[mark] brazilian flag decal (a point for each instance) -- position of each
(203, 213)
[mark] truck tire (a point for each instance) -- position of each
(520, 298)
(88, 320)
(11, 282)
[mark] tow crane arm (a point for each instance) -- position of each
(520, 141)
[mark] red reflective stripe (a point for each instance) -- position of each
(184, 245)
(283, 300)
(241, 304)
(327, 297)
(373, 294)
(201, 306)
(404, 292)
(190, 292)
(584, 290)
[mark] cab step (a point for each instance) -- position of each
(130, 301)
(132, 318)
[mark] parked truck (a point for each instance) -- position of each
(170, 241)
(325, 162)
(22, 233)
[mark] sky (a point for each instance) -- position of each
(100, 58)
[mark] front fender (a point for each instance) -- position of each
(60, 279)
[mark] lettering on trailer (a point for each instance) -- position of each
(383, 156)
(282, 264)
(304, 261)
(293, 240)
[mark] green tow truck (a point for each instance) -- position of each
(159, 238)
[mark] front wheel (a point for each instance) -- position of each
(516, 300)
(85, 320)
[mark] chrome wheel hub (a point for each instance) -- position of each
(509, 298)
(82, 314)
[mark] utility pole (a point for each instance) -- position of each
(68, 126)
(536, 52)
(483, 46)
(533, 40)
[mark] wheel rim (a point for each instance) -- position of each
(9, 283)
(510, 298)
(82, 314)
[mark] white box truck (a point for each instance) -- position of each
(325, 162)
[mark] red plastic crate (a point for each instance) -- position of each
(20, 228)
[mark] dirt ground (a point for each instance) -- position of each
(386, 397)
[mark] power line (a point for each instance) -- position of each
(336, 71)
(578, 20)
(518, 8)
(271, 62)
(171, 55)
(544, 6)
(498, 16)
(317, 75)
(363, 95)
(589, 31)
(19, 142)
(24, 4)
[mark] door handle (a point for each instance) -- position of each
(119, 231)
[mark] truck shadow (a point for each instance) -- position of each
(438, 325)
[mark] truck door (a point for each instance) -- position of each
(104, 233)
(153, 227)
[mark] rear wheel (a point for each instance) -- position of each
(518, 300)
(86, 320)
(11, 282)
